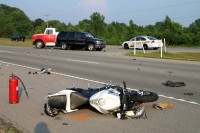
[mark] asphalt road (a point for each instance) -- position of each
(96, 68)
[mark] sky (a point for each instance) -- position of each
(142, 12)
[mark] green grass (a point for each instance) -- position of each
(6, 127)
(188, 56)
(8, 42)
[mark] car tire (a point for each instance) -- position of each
(50, 111)
(126, 46)
(39, 44)
(145, 46)
(64, 46)
(90, 47)
(98, 49)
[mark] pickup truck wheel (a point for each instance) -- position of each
(39, 44)
(90, 47)
(64, 46)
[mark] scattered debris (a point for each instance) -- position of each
(41, 113)
(65, 123)
(58, 118)
(134, 59)
(188, 93)
(163, 105)
(104, 50)
(138, 69)
(174, 84)
(43, 70)
(170, 72)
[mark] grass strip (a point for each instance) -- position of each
(188, 56)
(8, 42)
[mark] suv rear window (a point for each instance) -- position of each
(62, 35)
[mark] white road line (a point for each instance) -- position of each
(83, 61)
(181, 100)
(2, 51)
(65, 75)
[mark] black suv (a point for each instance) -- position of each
(78, 40)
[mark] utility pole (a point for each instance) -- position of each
(47, 20)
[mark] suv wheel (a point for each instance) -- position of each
(64, 46)
(90, 47)
(98, 49)
(39, 44)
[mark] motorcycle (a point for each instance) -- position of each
(114, 99)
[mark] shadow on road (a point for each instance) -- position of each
(41, 128)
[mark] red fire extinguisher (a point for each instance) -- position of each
(13, 90)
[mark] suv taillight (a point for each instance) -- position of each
(153, 41)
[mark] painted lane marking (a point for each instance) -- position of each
(65, 75)
(83, 61)
(181, 100)
(2, 51)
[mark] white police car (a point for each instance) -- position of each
(145, 42)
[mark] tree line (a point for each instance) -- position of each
(15, 21)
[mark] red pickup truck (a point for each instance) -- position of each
(46, 39)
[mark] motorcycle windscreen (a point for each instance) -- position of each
(77, 99)
(58, 102)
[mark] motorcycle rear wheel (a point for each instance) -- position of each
(50, 111)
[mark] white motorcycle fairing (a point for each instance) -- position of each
(66, 93)
(67, 100)
(106, 101)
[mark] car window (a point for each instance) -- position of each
(142, 39)
(138, 39)
(62, 35)
(49, 32)
(79, 35)
(71, 35)
(152, 38)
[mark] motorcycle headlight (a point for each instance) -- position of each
(102, 101)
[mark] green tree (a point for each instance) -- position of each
(15, 22)
(97, 24)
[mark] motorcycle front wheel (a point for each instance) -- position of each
(144, 96)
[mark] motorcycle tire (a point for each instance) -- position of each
(145, 98)
(50, 111)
